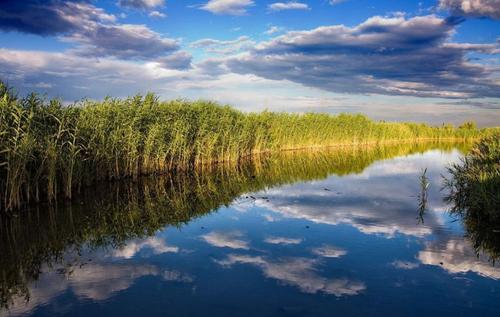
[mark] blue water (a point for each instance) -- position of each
(343, 246)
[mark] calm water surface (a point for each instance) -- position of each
(317, 234)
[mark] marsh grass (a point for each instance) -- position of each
(48, 150)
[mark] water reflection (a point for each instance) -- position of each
(298, 224)
(457, 256)
(422, 196)
(298, 272)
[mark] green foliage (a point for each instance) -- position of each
(48, 150)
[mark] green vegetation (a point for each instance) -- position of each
(48, 150)
(474, 194)
(109, 214)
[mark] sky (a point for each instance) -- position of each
(427, 61)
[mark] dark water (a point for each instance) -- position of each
(300, 234)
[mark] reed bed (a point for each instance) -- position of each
(48, 150)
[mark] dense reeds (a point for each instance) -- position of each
(49, 150)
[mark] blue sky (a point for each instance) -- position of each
(430, 61)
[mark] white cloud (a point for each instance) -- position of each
(157, 14)
(290, 5)
(228, 7)
(273, 29)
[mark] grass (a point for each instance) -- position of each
(48, 150)
(474, 195)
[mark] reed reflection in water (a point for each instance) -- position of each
(119, 220)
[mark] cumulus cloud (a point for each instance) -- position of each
(141, 4)
(50, 17)
(290, 5)
(390, 56)
(125, 41)
(228, 7)
(95, 32)
(472, 8)
(298, 272)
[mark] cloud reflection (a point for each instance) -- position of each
(156, 244)
(457, 256)
(381, 200)
(298, 272)
(282, 240)
(226, 240)
(405, 265)
(329, 251)
(97, 282)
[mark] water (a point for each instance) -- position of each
(299, 234)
